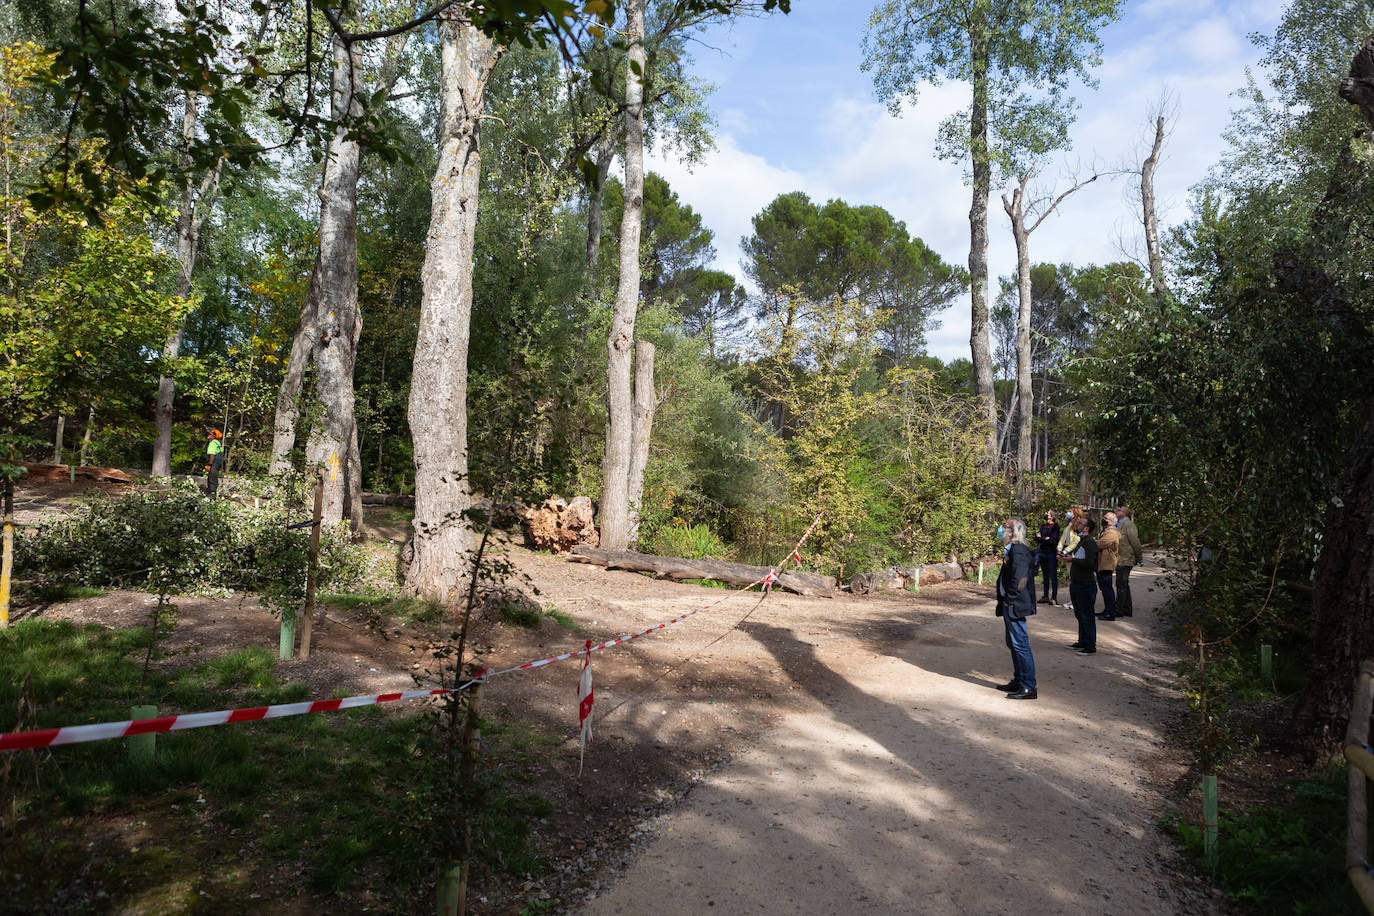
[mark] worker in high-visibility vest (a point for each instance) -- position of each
(214, 461)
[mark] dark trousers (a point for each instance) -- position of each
(212, 475)
(1123, 591)
(1049, 575)
(1022, 661)
(1084, 595)
(1104, 584)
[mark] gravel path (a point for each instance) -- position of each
(911, 785)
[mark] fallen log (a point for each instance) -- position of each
(388, 499)
(60, 472)
(900, 577)
(802, 583)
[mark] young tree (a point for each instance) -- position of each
(438, 392)
(1002, 48)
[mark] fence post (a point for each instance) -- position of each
(1267, 662)
(916, 587)
(980, 572)
(7, 563)
(312, 571)
(142, 748)
(453, 883)
(288, 633)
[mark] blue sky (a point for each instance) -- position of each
(795, 112)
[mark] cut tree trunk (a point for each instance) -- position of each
(615, 466)
(1147, 205)
(57, 440)
(438, 391)
(979, 342)
(596, 195)
(645, 403)
(86, 435)
(737, 574)
(899, 577)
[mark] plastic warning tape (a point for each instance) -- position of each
(78, 734)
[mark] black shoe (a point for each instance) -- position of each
(1009, 687)
(1023, 694)
(1127, 614)
(1105, 616)
(1075, 645)
(1088, 650)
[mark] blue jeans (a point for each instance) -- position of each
(1084, 595)
(1049, 575)
(1022, 662)
(1105, 579)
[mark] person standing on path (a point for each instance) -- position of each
(1129, 555)
(1108, 547)
(1048, 541)
(1083, 585)
(1016, 602)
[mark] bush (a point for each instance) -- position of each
(178, 540)
(690, 542)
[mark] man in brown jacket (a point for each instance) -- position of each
(1108, 544)
(1131, 554)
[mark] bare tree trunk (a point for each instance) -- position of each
(288, 410)
(57, 440)
(645, 403)
(596, 195)
(979, 343)
(1147, 203)
(438, 391)
(196, 203)
(86, 434)
(1025, 391)
(615, 466)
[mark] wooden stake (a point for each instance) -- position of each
(1209, 820)
(7, 563)
(312, 571)
(143, 748)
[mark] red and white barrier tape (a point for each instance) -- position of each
(101, 731)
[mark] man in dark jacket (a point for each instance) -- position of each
(1083, 563)
(1016, 602)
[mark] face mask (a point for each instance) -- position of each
(1001, 532)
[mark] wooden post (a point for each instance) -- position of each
(7, 563)
(916, 586)
(453, 883)
(980, 572)
(1267, 662)
(143, 748)
(1209, 820)
(312, 570)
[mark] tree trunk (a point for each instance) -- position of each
(57, 440)
(803, 583)
(86, 434)
(1147, 204)
(1024, 384)
(615, 466)
(978, 237)
(288, 410)
(1342, 624)
(596, 195)
(194, 207)
(645, 403)
(438, 391)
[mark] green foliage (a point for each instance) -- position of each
(1285, 858)
(177, 540)
(678, 539)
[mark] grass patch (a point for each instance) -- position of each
(344, 799)
(410, 610)
(519, 615)
(59, 592)
(562, 618)
(708, 583)
(1288, 858)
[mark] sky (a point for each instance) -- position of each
(794, 111)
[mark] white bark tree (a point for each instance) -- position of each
(1147, 206)
(617, 520)
(1026, 216)
(438, 393)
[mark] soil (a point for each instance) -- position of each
(794, 754)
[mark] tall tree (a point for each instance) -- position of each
(330, 322)
(616, 508)
(1026, 215)
(1005, 50)
(438, 391)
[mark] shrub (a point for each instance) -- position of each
(690, 542)
(178, 540)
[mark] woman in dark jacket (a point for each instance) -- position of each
(1016, 602)
(1083, 585)
(1047, 539)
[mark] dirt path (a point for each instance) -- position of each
(910, 785)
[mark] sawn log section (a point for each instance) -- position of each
(803, 583)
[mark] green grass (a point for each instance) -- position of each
(410, 610)
(562, 618)
(708, 583)
(58, 593)
(519, 615)
(1285, 859)
(347, 800)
